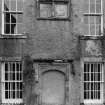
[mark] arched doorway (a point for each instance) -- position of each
(53, 87)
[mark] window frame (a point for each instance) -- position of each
(94, 101)
(54, 2)
(3, 81)
(95, 14)
(3, 20)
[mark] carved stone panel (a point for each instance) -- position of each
(91, 48)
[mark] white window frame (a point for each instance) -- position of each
(3, 12)
(53, 5)
(88, 101)
(9, 100)
(96, 14)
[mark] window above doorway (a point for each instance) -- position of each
(53, 9)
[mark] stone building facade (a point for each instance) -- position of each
(52, 52)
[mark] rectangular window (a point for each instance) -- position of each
(93, 18)
(12, 79)
(93, 82)
(12, 14)
(92, 25)
(53, 9)
(93, 6)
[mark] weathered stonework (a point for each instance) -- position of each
(53, 40)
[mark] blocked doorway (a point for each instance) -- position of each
(53, 88)
(53, 83)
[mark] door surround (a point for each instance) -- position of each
(42, 67)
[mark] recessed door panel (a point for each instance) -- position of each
(53, 88)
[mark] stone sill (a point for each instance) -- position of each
(10, 58)
(3, 36)
(92, 37)
(53, 60)
(54, 19)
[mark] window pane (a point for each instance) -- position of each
(7, 18)
(92, 77)
(14, 94)
(98, 6)
(86, 6)
(20, 94)
(13, 28)
(92, 19)
(19, 18)
(98, 29)
(86, 86)
(6, 5)
(13, 18)
(86, 19)
(95, 94)
(6, 76)
(95, 67)
(92, 86)
(86, 68)
(18, 76)
(86, 25)
(45, 10)
(6, 86)
(86, 76)
(11, 76)
(21, 85)
(9, 94)
(98, 94)
(6, 67)
(9, 86)
(19, 5)
(13, 84)
(98, 20)
(13, 65)
(86, 29)
(92, 68)
(86, 95)
(92, 94)
(14, 76)
(18, 67)
(92, 6)
(7, 28)
(99, 68)
(19, 28)
(6, 94)
(61, 10)
(18, 85)
(13, 5)
(92, 29)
